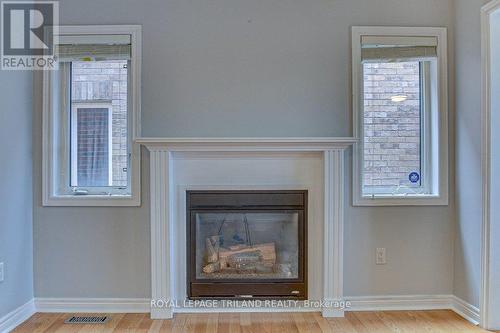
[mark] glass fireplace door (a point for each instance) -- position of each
(247, 245)
(242, 244)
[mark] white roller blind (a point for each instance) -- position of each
(398, 48)
(89, 52)
(93, 47)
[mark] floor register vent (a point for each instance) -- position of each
(87, 320)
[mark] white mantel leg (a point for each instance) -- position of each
(333, 231)
(161, 210)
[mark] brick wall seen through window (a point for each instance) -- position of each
(392, 117)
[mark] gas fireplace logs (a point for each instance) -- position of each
(212, 245)
(259, 258)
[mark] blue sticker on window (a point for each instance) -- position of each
(414, 177)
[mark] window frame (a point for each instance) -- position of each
(56, 193)
(435, 125)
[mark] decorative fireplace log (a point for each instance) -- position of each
(212, 267)
(212, 245)
(267, 251)
(245, 260)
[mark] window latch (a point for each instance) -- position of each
(77, 191)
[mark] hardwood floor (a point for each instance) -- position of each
(354, 322)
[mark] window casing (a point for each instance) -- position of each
(90, 118)
(400, 116)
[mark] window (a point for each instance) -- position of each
(400, 115)
(90, 111)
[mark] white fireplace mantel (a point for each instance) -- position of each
(247, 144)
(162, 152)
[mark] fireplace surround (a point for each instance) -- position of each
(246, 244)
(181, 164)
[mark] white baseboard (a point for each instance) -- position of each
(333, 313)
(466, 310)
(142, 305)
(93, 305)
(399, 302)
(162, 313)
(415, 302)
(16, 317)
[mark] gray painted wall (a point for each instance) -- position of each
(243, 68)
(16, 223)
(468, 150)
(249, 68)
(494, 308)
(419, 242)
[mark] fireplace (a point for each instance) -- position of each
(247, 244)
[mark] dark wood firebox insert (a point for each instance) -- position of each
(247, 244)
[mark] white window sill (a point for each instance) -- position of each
(92, 201)
(401, 200)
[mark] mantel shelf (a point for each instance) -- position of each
(248, 144)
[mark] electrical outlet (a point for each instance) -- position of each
(1, 271)
(380, 257)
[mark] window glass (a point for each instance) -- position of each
(92, 151)
(99, 130)
(392, 127)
